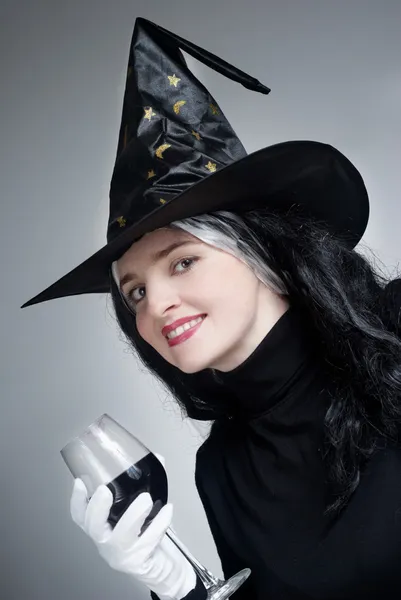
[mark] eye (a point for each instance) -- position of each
(189, 262)
(185, 260)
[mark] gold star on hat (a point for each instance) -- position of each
(121, 221)
(149, 113)
(173, 80)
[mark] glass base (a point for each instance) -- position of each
(225, 589)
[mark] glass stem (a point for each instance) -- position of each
(205, 575)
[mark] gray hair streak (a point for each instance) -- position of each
(223, 235)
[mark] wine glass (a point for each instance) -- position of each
(106, 453)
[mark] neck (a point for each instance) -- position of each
(263, 322)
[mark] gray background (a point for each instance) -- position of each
(334, 70)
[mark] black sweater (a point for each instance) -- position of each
(261, 480)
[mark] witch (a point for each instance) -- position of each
(236, 281)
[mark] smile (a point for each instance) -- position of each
(183, 332)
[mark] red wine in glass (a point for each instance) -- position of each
(108, 454)
(147, 475)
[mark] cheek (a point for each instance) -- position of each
(146, 330)
(142, 327)
(236, 291)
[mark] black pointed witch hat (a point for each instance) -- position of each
(178, 156)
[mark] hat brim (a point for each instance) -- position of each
(312, 174)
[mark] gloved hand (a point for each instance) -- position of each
(152, 558)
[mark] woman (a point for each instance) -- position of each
(299, 354)
(294, 353)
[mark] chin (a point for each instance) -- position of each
(191, 367)
(190, 370)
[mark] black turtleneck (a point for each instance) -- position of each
(285, 357)
(261, 479)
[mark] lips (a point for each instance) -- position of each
(179, 322)
(183, 337)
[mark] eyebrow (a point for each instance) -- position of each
(156, 257)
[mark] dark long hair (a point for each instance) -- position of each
(354, 313)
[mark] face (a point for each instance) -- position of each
(196, 279)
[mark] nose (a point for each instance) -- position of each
(161, 297)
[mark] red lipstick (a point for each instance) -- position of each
(179, 322)
(178, 339)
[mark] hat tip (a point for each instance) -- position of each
(35, 300)
(26, 304)
(263, 89)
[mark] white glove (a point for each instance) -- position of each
(152, 558)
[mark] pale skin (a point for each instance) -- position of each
(240, 310)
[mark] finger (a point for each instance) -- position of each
(153, 535)
(79, 502)
(128, 527)
(97, 513)
(160, 458)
